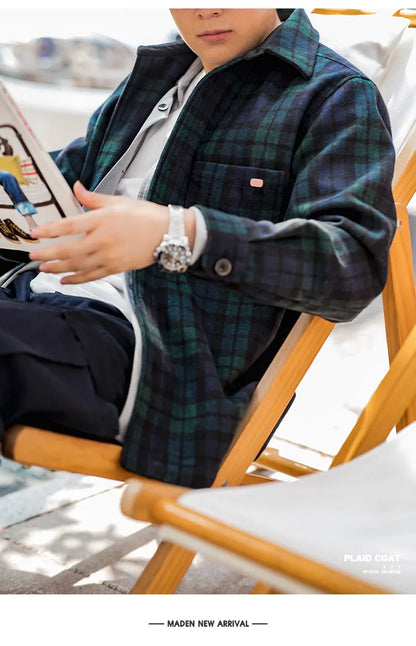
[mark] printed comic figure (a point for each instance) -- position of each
(5, 147)
(10, 183)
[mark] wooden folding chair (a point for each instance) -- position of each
(409, 14)
(56, 451)
(310, 535)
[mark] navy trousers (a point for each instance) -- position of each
(65, 362)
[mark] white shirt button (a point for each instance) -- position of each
(163, 107)
(223, 267)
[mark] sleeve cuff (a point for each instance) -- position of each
(201, 235)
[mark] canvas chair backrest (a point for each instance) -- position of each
(384, 48)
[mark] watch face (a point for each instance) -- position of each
(174, 257)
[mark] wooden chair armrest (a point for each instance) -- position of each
(141, 498)
(171, 513)
(61, 452)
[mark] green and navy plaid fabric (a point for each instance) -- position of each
(310, 233)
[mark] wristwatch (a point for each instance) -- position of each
(173, 253)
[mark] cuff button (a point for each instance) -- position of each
(223, 267)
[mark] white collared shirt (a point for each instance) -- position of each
(131, 177)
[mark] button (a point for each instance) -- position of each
(223, 267)
(163, 107)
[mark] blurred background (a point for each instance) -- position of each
(60, 64)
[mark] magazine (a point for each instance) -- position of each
(32, 189)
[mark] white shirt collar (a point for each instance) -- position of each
(185, 81)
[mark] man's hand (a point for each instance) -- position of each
(117, 234)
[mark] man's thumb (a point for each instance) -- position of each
(88, 198)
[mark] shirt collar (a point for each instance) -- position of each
(294, 41)
(185, 80)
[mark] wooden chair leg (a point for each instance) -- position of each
(168, 566)
(399, 300)
(164, 571)
(263, 588)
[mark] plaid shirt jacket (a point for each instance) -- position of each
(314, 237)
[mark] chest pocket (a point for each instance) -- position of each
(250, 192)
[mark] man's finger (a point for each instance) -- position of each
(84, 276)
(89, 199)
(70, 264)
(65, 227)
(63, 251)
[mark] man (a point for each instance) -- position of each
(276, 158)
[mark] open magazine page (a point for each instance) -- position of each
(32, 190)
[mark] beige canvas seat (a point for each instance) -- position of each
(349, 530)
